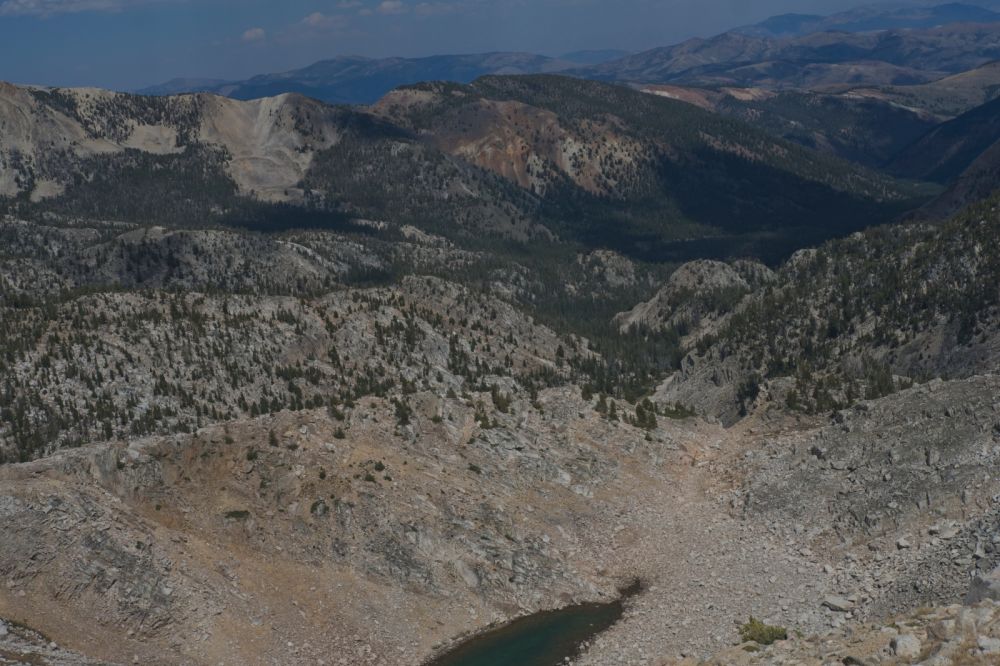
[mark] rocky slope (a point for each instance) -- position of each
(51, 134)
(697, 295)
(191, 539)
(824, 527)
(22, 645)
(302, 536)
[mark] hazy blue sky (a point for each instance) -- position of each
(132, 43)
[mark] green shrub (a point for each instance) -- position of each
(761, 633)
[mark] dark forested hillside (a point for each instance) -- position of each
(615, 166)
(859, 318)
(949, 149)
(507, 158)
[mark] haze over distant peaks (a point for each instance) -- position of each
(594, 57)
(360, 80)
(875, 45)
(183, 85)
(871, 18)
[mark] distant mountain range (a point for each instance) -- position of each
(182, 85)
(358, 80)
(893, 57)
(875, 45)
(869, 19)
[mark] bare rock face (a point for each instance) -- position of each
(269, 143)
(21, 645)
(524, 143)
(986, 585)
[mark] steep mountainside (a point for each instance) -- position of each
(582, 146)
(948, 150)
(865, 131)
(857, 318)
(977, 182)
(861, 128)
(514, 157)
(60, 139)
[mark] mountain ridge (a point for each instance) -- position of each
(734, 59)
(232, 156)
(742, 56)
(871, 18)
(363, 80)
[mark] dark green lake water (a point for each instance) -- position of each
(542, 639)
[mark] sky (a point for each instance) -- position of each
(129, 44)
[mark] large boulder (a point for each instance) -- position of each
(984, 586)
